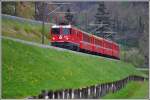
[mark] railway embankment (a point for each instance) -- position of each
(27, 69)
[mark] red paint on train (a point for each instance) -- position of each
(69, 36)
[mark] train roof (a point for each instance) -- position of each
(62, 26)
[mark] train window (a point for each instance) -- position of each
(96, 42)
(107, 44)
(66, 30)
(86, 38)
(115, 47)
(110, 45)
(55, 30)
(101, 42)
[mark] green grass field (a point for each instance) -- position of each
(145, 72)
(24, 30)
(133, 90)
(26, 70)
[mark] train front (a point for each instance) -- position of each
(60, 35)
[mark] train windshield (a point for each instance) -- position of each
(55, 31)
(66, 30)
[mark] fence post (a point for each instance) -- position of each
(98, 91)
(80, 93)
(65, 93)
(50, 94)
(70, 93)
(89, 93)
(86, 92)
(72, 96)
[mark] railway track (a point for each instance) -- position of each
(52, 47)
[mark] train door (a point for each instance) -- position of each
(112, 49)
(78, 37)
(118, 51)
(72, 34)
(103, 46)
(92, 42)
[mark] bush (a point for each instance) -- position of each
(8, 8)
(133, 56)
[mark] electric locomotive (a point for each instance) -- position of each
(70, 37)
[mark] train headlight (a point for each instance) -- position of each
(53, 38)
(67, 38)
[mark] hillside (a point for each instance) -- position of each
(29, 30)
(21, 28)
(26, 70)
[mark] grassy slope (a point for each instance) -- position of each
(145, 72)
(26, 70)
(24, 30)
(133, 90)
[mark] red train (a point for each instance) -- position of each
(70, 37)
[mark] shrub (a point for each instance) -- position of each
(133, 56)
